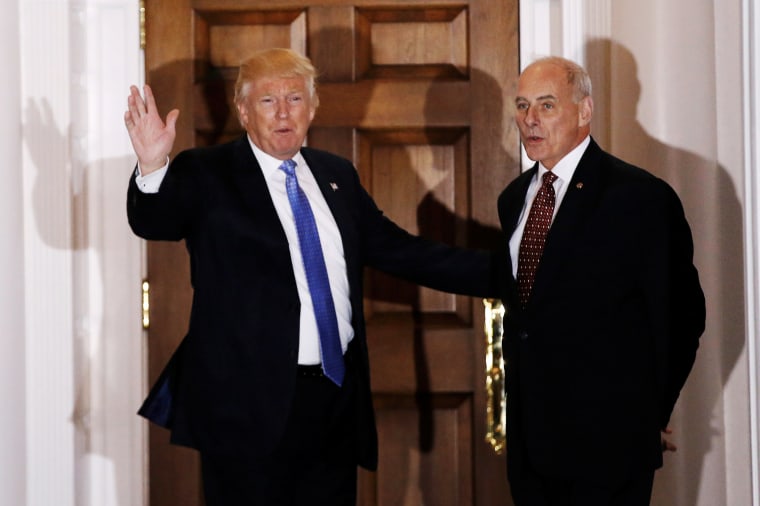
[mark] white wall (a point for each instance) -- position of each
(668, 95)
(71, 365)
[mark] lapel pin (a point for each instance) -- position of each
(579, 185)
(334, 186)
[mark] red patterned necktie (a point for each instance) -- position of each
(534, 237)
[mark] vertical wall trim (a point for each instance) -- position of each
(751, 99)
(573, 30)
(12, 359)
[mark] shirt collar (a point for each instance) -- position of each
(269, 164)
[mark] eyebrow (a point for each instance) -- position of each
(542, 97)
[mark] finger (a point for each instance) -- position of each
(150, 100)
(132, 109)
(135, 101)
(131, 105)
(133, 130)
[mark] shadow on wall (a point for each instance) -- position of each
(71, 199)
(714, 213)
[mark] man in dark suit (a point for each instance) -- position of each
(271, 383)
(604, 307)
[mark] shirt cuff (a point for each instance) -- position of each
(152, 182)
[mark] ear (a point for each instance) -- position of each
(242, 113)
(585, 111)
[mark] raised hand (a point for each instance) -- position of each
(152, 139)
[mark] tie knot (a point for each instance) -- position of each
(549, 178)
(288, 167)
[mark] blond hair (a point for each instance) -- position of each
(276, 62)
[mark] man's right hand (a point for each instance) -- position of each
(151, 139)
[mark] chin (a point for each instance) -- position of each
(533, 155)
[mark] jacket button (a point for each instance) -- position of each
(523, 335)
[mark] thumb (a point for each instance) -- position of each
(171, 119)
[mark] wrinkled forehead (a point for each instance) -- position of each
(542, 80)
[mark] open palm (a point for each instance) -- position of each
(152, 139)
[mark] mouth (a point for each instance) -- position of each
(532, 139)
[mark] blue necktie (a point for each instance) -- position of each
(316, 276)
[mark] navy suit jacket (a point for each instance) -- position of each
(230, 383)
(597, 359)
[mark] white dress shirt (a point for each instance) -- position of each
(564, 171)
(329, 236)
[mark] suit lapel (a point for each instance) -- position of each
(511, 205)
(328, 184)
(333, 189)
(582, 193)
(248, 181)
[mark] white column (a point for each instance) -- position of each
(540, 30)
(51, 398)
(12, 371)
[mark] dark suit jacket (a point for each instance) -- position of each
(230, 384)
(596, 360)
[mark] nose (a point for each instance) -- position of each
(530, 118)
(282, 109)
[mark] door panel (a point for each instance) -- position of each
(413, 93)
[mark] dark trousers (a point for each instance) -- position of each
(314, 464)
(533, 489)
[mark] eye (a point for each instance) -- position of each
(521, 106)
(295, 98)
(548, 105)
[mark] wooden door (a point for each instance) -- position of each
(414, 92)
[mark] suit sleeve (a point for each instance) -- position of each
(391, 249)
(168, 214)
(681, 298)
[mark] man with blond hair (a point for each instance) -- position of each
(271, 383)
